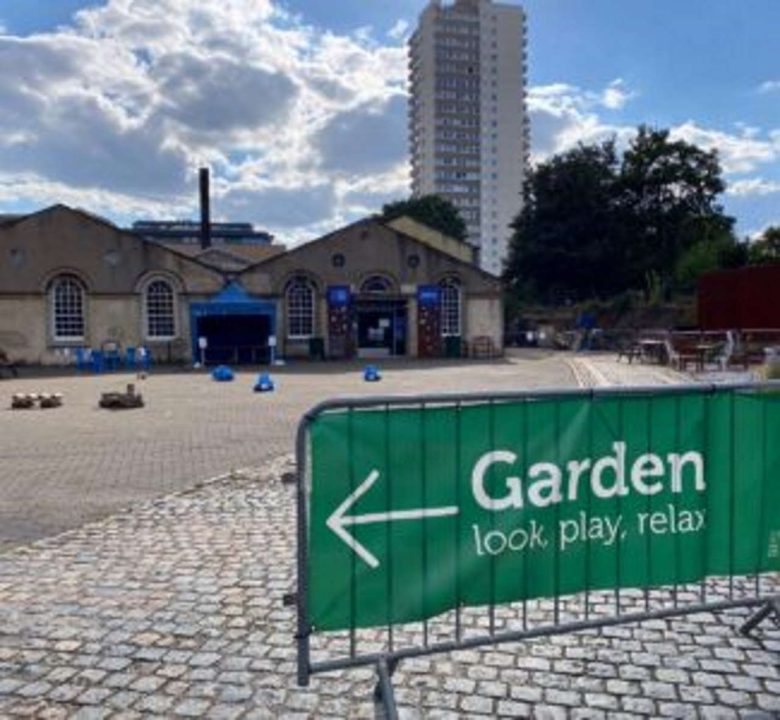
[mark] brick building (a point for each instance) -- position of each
(71, 280)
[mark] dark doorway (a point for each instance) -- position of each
(236, 339)
(381, 326)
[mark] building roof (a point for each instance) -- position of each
(227, 256)
(10, 219)
(464, 251)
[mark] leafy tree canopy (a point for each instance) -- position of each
(595, 224)
(431, 210)
(766, 249)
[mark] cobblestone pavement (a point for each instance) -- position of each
(174, 609)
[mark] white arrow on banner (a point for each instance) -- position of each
(339, 520)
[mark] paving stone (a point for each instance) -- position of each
(192, 708)
(550, 712)
(768, 702)
(714, 712)
(33, 690)
(563, 697)
(477, 704)
(147, 684)
(155, 703)
(642, 705)
(601, 700)
(513, 709)
(9, 685)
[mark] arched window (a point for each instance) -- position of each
(376, 285)
(300, 309)
(450, 308)
(66, 296)
(160, 310)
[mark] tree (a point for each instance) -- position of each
(565, 235)
(766, 249)
(594, 224)
(668, 196)
(431, 210)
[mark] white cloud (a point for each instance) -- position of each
(753, 186)
(564, 115)
(117, 111)
(739, 153)
(769, 86)
(399, 31)
(615, 95)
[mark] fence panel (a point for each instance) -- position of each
(419, 510)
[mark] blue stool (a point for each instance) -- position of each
(264, 383)
(112, 359)
(222, 373)
(97, 361)
(83, 359)
(371, 374)
(130, 359)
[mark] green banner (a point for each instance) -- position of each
(417, 511)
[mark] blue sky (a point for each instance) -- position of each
(325, 139)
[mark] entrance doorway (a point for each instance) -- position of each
(381, 328)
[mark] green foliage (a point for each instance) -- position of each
(767, 248)
(431, 210)
(595, 224)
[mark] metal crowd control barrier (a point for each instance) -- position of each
(438, 523)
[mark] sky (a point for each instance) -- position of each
(299, 106)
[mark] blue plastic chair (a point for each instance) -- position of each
(83, 359)
(112, 359)
(130, 358)
(98, 359)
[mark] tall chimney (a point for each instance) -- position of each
(205, 210)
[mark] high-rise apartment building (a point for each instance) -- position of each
(469, 128)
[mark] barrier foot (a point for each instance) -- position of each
(384, 693)
(771, 607)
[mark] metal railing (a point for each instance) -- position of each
(735, 429)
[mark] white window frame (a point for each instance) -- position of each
(80, 313)
(301, 313)
(173, 310)
(451, 308)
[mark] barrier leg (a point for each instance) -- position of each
(771, 607)
(384, 693)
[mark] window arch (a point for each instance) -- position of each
(376, 285)
(451, 297)
(66, 297)
(159, 310)
(300, 309)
